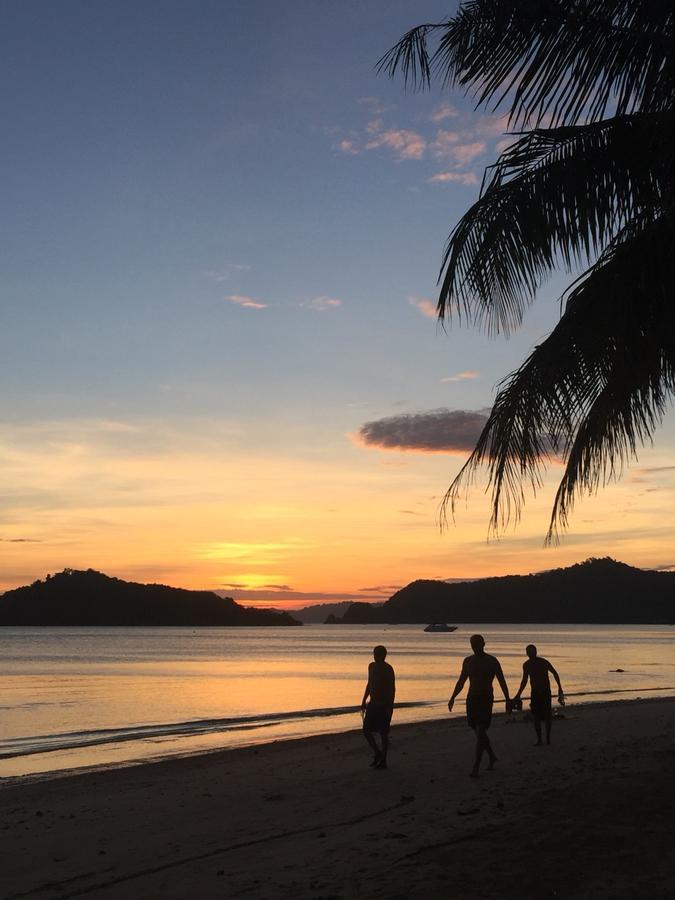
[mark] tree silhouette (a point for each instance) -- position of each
(587, 183)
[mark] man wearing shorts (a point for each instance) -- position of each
(381, 689)
(536, 668)
(481, 669)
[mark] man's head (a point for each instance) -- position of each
(477, 642)
(379, 653)
(531, 651)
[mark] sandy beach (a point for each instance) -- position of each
(589, 816)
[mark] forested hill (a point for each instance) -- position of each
(599, 591)
(75, 597)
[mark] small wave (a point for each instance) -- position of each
(69, 740)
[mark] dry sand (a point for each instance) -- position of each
(590, 816)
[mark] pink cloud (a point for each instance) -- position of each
(461, 376)
(464, 153)
(248, 302)
(404, 143)
(426, 307)
(501, 146)
(444, 142)
(461, 177)
(445, 111)
(348, 146)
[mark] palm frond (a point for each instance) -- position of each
(594, 390)
(564, 60)
(539, 207)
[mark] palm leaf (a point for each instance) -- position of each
(540, 208)
(567, 60)
(594, 391)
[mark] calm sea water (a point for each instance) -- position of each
(73, 697)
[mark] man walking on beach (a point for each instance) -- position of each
(536, 668)
(481, 669)
(381, 688)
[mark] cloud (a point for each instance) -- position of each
(381, 589)
(226, 271)
(298, 599)
(321, 304)
(444, 111)
(468, 178)
(20, 541)
(445, 142)
(248, 302)
(426, 307)
(464, 153)
(501, 146)
(405, 144)
(461, 376)
(374, 104)
(348, 146)
(437, 431)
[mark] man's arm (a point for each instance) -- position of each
(503, 685)
(561, 693)
(366, 693)
(522, 683)
(461, 681)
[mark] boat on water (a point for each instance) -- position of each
(440, 626)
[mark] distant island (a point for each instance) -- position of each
(597, 591)
(88, 597)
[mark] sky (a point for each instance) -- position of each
(221, 231)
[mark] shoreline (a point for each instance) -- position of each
(454, 721)
(589, 816)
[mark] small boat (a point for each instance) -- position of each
(440, 626)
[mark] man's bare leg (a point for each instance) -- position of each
(490, 752)
(537, 728)
(380, 761)
(482, 743)
(548, 721)
(377, 753)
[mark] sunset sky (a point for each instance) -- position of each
(221, 235)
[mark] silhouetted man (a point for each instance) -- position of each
(381, 688)
(536, 668)
(481, 669)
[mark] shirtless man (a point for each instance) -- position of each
(381, 688)
(481, 669)
(536, 668)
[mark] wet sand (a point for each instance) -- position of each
(590, 816)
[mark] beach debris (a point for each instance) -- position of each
(617, 670)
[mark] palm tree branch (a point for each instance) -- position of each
(538, 207)
(594, 389)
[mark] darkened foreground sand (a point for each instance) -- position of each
(590, 816)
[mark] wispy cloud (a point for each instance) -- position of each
(468, 178)
(247, 302)
(460, 376)
(426, 307)
(20, 541)
(405, 144)
(322, 303)
(348, 146)
(466, 153)
(225, 272)
(444, 111)
(437, 431)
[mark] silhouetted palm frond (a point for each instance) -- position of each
(591, 184)
(566, 60)
(554, 196)
(595, 389)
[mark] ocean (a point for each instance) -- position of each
(81, 697)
